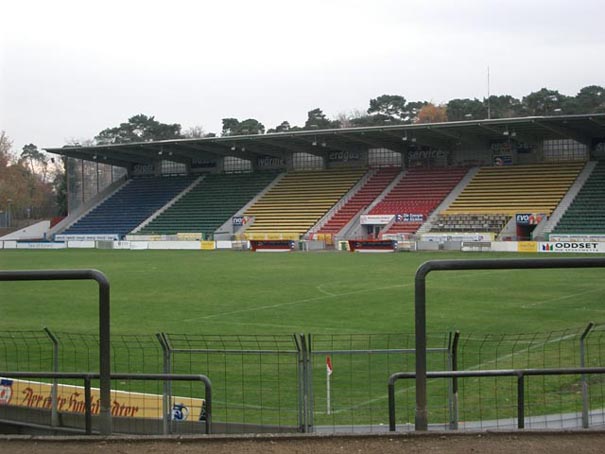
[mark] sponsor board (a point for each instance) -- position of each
(143, 169)
(270, 162)
(427, 155)
(70, 399)
(503, 160)
(40, 245)
(207, 245)
(344, 156)
(202, 164)
(586, 247)
(188, 236)
(376, 219)
(529, 218)
(100, 237)
(272, 245)
(238, 221)
(372, 245)
(580, 237)
(409, 217)
(527, 246)
(472, 236)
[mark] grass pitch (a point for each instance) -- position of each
(224, 292)
(193, 293)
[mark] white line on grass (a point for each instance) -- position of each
(293, 303)
(561, 298)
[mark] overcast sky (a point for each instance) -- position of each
(69, 69)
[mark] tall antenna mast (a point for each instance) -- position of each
(489, 112)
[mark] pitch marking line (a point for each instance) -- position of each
(293, 303)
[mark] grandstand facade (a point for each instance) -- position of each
(388, 181)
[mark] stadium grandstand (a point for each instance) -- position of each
(395, 181)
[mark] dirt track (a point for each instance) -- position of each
(526, 442)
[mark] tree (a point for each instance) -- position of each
(390, 106)
(37, 161)
(59, 183)
(465, 109)
(284, 126)
(5, 150)
(139, 128)
(431, 113)
(316, 119)
(195, 132)
(233, 127)
(544, 102)
(590, 99)
(504, 106)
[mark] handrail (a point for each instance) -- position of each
(104, 325)
(421, 418)
(519, 373)
(87, 377)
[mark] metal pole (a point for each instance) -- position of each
(88, 406)
(421, 417)
(391, 394)
(310, 393)
(54, 414)
(166, 393)
(520, 401)
(583, 377)
(300, 380)
(454, 382)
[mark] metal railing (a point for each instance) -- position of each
(519, 373)
(104, 325)
(421, 417)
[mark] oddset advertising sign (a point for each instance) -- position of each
(587, 247)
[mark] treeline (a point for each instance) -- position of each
(383, 110)
(32, 185)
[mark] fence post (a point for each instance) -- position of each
(310, 395)
(167, 393)
(305, 398)
(300, 381)
(520, 400)
(87, 406)
(453, 384)
(583, 377)
(54, 414)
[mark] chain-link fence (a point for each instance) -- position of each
(312, 383)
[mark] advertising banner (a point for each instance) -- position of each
(527, 246)
(409, 217)
(584, 247)
(376, 219)
(70, 399)
(372, 245)
(238, 221)
(471, 236)
(529, 218)
(344, 156)
(270, 162)
(580, 237)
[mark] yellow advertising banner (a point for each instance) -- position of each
(527, 246)
(207, 245)
(70, 399)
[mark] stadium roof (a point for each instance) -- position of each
(581, 128)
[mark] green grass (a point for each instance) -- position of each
(227, 292)
(233, 294)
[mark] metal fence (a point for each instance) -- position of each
(280, 383)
